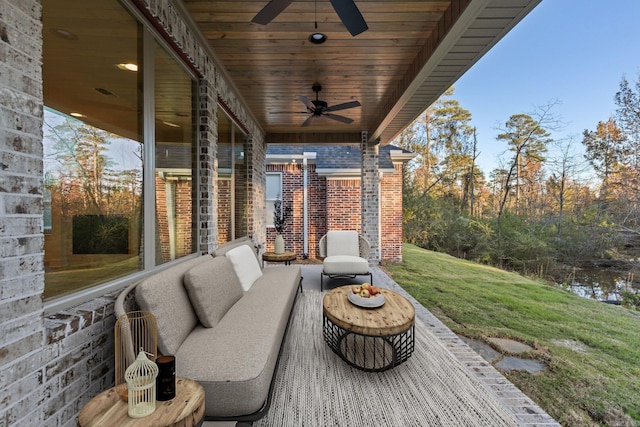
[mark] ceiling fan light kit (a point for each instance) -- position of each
(317, 38)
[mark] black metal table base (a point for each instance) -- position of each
(367, 352)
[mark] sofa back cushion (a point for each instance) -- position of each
(213, 288)
(343, 242)
(245, 265)
(165, 296)
(241, 241)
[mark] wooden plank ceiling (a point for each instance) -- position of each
(411, 53)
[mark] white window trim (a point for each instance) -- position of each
(269, 213)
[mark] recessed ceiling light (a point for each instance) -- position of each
(128, 66)
(317, 38)
(104, 91)
(61, 32)
(173, 125)
(77, 115)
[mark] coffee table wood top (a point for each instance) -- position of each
(184, 410)
(395, 316)
(274, 257)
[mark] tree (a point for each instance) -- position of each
(564, 169)
(527, 140)
(604, 149)
(628, 116)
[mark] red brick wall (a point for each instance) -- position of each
(391, 216)
(335, 204)
(343, 204)
(224, 210)
(184, 219)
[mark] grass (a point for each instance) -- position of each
(592, 349)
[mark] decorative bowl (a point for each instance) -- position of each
(371, 302)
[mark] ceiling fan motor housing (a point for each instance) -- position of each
(320, 105)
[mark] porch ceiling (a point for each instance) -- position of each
(411, 53)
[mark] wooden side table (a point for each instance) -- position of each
(184, 410)
(285, 257)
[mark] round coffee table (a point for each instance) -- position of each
(370, 339)
(184, 410)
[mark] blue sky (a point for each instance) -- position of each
(574, 52)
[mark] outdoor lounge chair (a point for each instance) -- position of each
(345, 254)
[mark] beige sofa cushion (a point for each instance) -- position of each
(226, 247)
(213, 288)
(165, 296)
(245, 265)
(343, 242)
(235, 360)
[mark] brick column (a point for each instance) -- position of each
(22, 331)
(370, 197)
(256, 152)
(207, 189)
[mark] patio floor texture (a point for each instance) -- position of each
(510, 398)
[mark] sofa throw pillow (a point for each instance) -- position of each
(164, 295)
(213, 288)
(343, 242)
(245, 265)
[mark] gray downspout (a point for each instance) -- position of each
(305, 208)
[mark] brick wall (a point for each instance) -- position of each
(50, 366)
(22, 332)
(391, 219)
(370, 195)
(335, 204)
(343, 204)
(292, 196)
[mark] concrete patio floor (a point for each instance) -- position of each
(524, 409)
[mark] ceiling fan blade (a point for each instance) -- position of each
(270, 11)
(308, 121)
(350, 16)
(306, 102)
(288, 112)
(344, 106)
(342, 119)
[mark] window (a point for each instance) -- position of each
(119, 147)
(233, 197)
(273, 192)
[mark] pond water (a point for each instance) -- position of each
(601, 284)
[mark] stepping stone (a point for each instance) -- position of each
(510, 346)
(510, 364)
(482, 348)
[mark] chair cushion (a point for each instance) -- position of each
(245, 265)
(213, 287)
(345, 264)
(343, 242)
(165, 296)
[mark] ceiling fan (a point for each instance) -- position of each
(319, 108)
(347, 11)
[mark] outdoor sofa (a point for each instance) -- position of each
(225, 319)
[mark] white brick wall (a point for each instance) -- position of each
(370, 194)
(50, 367)
(22, 332)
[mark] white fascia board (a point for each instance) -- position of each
(401, 156)
(288, 158)
(330, 173)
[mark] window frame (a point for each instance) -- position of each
(150, 38)
(269, 210)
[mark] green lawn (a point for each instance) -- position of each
(592, 349)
